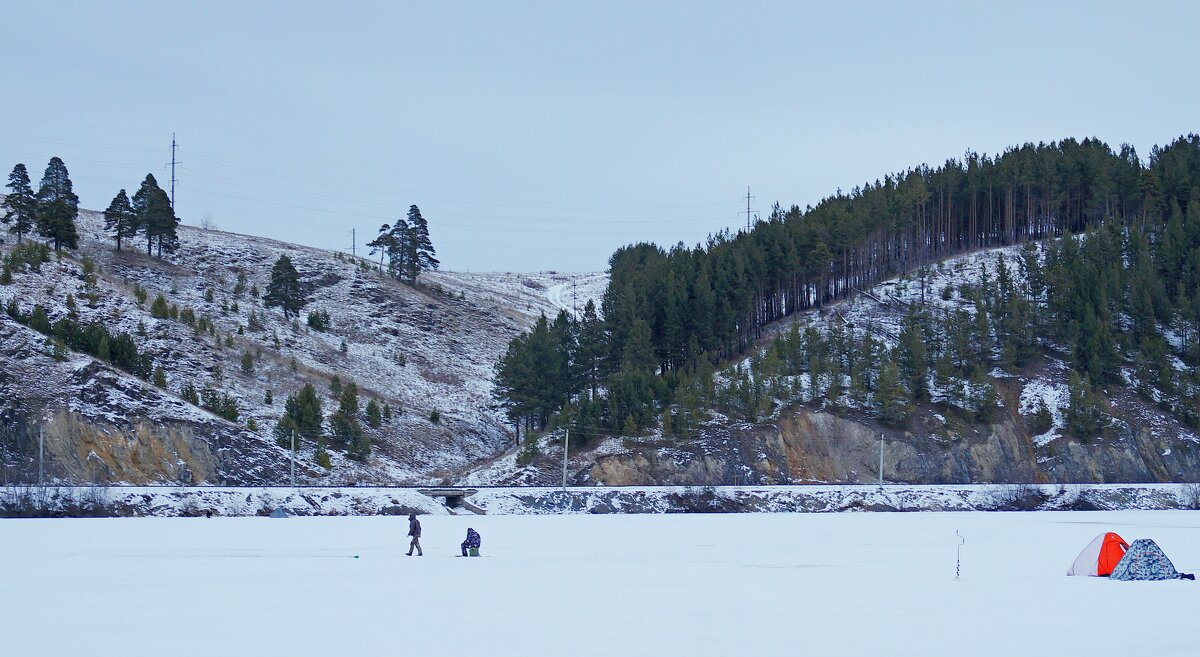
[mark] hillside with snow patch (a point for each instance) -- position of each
(808, 439)
(427, 352)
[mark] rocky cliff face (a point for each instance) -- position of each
(806, 446)
(112, 427)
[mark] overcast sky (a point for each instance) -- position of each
(540, 136)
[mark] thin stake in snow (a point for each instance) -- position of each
(958, 554)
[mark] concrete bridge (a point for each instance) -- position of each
(454, 497)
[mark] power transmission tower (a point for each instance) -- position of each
(173, 162)
(748, 210)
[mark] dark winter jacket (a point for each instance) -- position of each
(472, 539)
(414, 528)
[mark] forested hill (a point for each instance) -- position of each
(670, 316)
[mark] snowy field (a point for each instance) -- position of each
(756, 584)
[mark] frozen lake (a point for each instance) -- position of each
(763, 584)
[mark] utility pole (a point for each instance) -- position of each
(566, 445)
(173, 163)
(41, 440)
(880, 460)
(353, 242)
(748, 197)
(293, 458)
(574, 303)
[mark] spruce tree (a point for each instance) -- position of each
(57, 207)
(120, 219)
(20, 204)
(284, 289)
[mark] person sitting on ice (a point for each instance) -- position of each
(471, 543)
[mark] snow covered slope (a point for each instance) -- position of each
(418, 350)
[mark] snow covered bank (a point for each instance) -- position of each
(188, 501)
(613, 586)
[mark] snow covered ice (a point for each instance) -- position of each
(754, 584)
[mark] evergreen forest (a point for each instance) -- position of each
(1108, 279)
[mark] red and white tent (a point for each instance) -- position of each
(1100, 556)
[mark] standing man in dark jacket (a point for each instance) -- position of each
(414, 530)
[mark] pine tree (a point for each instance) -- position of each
(1084, 418)
(120, 219)
(638, 355)
(39, 321)
(284, 289)
(302, 414)
(155, 217)
(344, 423)
(407, 263)
(373, 414)
(914, 355)
(188, 394)
(57, 207)
(20, 204)
(422, 247)
(590, 355)
(891, 397)
(385, 244)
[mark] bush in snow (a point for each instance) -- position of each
(373, 413)
(159, 309)
(1041, 421)
(318, 320)
(1018, 497)
(188, 394)
(1191, 495)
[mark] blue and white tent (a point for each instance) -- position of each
(1144, 560)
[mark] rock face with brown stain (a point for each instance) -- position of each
(807, 446)
(98, 425)
(142, 453)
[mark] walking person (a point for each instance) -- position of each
(414, 530)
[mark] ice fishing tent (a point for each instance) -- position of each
(1144, 560)
(1100, 556)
